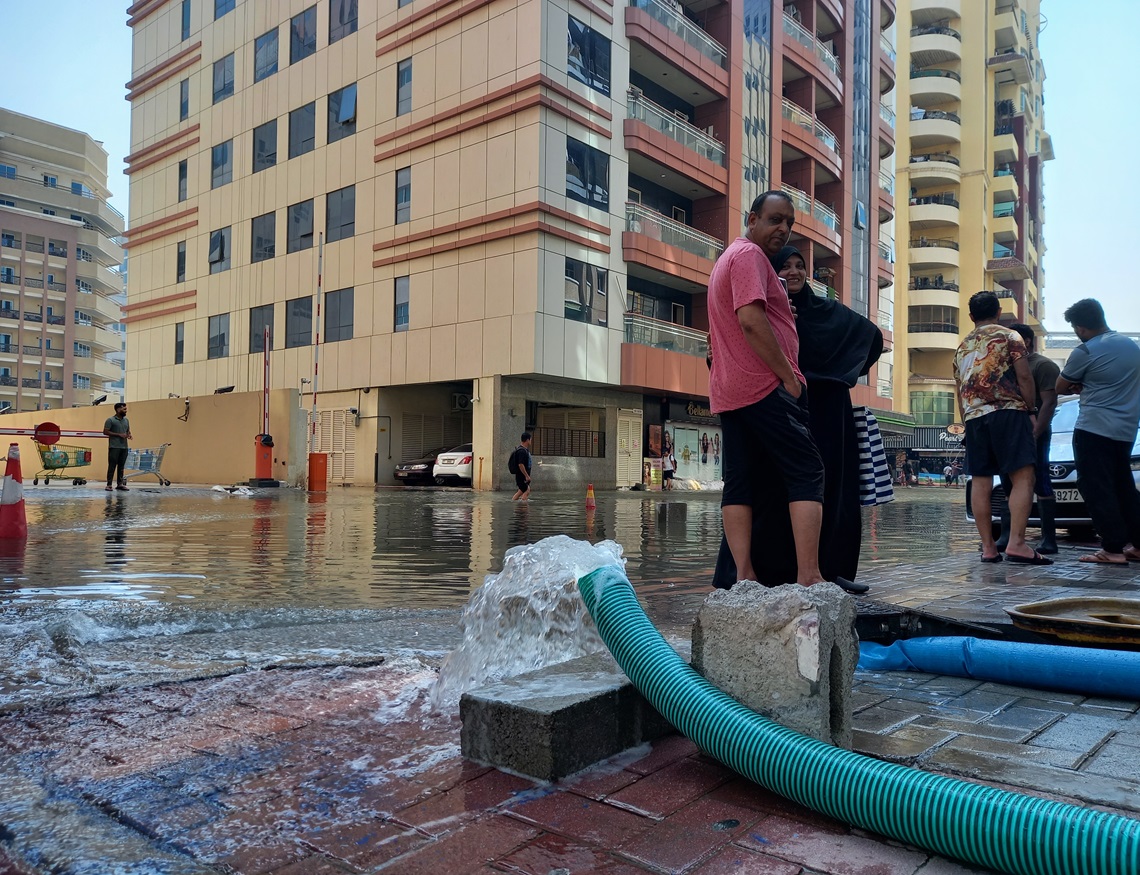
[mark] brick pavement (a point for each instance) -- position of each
(344, 770)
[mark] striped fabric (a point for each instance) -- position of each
(874, 475)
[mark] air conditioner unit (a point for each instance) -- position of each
(460, 401)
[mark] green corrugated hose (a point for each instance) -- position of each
(980, 825)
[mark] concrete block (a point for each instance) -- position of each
(788, 653)
(556, 721)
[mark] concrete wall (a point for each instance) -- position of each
(214, 444)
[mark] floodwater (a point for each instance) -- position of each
(157, 583)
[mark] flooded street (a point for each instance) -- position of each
(125, 589)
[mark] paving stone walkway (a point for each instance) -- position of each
(345, 770)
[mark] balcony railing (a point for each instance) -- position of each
(84, 255)
(804, 203)
(807, 39)
(921, 114)
(946, 200)
(1002, 210)
(6, 380)
(822, 289)
(924, 283)
(645, 331)
(642, 220)
(931, 242)
(887, 249)
(11, 348)
(31, 283)
(55, 286)
(33, 317)
(9, 313)
(935, 29)
(30, 383)
(56, 320)
(34, 247)
(888, 49)
(684, 28)
(935, 156)
(887, 182)
(1002, 251)
(826, 215)
(804, 119)
(675, 128)
(56, 385)
(57, 251)
(935, 74)
(887, 114)
(84, 193)
(12, 279)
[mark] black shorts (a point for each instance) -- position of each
(1044, 485)
(667, 475)
(999, 443)
(521, 482)
(766, 440)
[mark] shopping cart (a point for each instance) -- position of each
(57, 458)
(145, 461)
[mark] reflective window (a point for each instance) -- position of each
(221, 7)
(265, 55)
(219, 253)
(219, 342)
(263, 237)
(298, 322)
(259, 319)
(303, 35)
(404, 87)
(183, 166)
(223, 78)
(221, 164)
(588, 56)
(402, 298)
(403, 195)
(587, 174)
(185, 19)
(184, 100)
(342, 19)
(340, 214)
(338, 315)
(300, 227)
(180, 263)
(302, 130)
(265, 145)
(179, 342)
(342, 113)
(586, 288)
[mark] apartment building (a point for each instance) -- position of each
(58, 260)
(971, 150)
(520, 205)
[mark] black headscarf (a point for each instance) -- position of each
(836, 343)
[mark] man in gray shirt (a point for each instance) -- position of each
(1105, 370)
(117, 428)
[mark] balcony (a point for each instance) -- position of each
(674, 127)
(816, 139)
(97, 367)
(645, 331)
(103, 249)
(663, 357)
(886, 13)
(816, 220)
(887, 183)
(934, 87)
(939, 168)
(66, 201)
(919, 340)
(1006, 266)
(886, 73)
(667, 251)
(106, 309)
(934, 44)
(9, 279)
(823, 290)
(933, 11)
(886, 196)
(652, 135)
(103, 338)
(933, 211)
(934, 127)
(1006, 150)
(1010, 65)
(664, 41)
(933, 252)
(886, 131)
(817, 55)
(888, 49)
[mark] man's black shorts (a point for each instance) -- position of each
(521, 482)
(770, 440)
(999, 443)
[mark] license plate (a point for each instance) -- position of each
(447, 461)
(1067, 496)
(401, 473)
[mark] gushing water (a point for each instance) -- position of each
(527, 616)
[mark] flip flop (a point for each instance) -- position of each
(851, 586)
(1035, 559)
(992, 560)
(1101, 558)
(1132, 554)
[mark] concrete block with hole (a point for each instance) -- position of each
(788, 653)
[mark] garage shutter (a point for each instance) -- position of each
(423, 432)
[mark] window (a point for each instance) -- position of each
(221, 7)
(219, 342)
(221, 164)
(223, 78)
(303, 35)
(400, 4)
(338, 315)
(587, 174)
(4, 202)
(183, 167)
(588, 56)
(265, 55)
(300, 227)
(49, 212)
(298, 322)
(586, 288)
(7, 171)
(184, 100)
(180, 263)
(49, 181)
(265, 145)
(340, 214)
(82, 350)
(219, 255)
(302, 130)
(933, 319)
(933, 408)
(342, 19)
(264, 237)
(185, 19)
(342, 113)
(80, 382)
(404, 87)
(403, 195)
(403, 284)
(179, 342)
(259, 318)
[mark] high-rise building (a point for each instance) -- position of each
(971, 148)
(59, 285)
(520, 202)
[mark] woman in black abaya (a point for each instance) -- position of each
(837, 347)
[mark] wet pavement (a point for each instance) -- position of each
(215, 686)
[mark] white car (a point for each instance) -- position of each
(454, 466)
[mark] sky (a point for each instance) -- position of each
(67, 60)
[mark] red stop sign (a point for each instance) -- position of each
(47, 433)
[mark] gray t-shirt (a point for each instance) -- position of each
(117, 427)
(1108, 367)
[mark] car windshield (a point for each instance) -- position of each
(1066, 416)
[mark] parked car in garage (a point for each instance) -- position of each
(418, 471)
(1071, 510)
(453, 467)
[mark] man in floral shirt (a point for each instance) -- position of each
(996, 397)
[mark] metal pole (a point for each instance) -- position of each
(265, 389)
(317, 343)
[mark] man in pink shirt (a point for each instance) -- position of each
(756, 387)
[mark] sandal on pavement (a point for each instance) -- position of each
(1035, 559)
(1101, 558)
(851, 586)
(1132, 554)
(992, 560)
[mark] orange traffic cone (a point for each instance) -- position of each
(13, 519)
(590, 503)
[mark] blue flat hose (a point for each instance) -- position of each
(981, 825)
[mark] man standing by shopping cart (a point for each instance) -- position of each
(117, 428)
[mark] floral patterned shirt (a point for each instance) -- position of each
(983, 370)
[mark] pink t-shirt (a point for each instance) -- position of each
(743, 274)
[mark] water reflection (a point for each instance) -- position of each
(115, 528)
